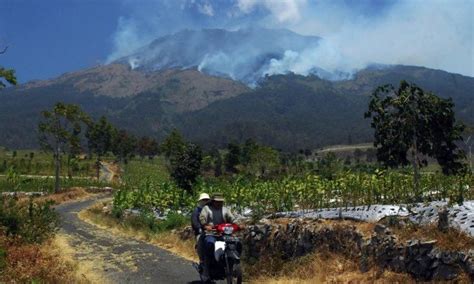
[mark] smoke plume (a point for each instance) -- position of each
(435, 34)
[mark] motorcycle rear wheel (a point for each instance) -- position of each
(236, 276)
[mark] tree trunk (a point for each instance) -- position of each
(57, 168)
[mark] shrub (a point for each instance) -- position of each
(32, 222)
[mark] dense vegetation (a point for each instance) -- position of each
(288, 112)
(328, 183)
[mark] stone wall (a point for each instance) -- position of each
(423, 260)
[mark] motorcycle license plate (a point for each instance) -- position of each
(219, 248)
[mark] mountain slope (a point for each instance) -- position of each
(242, 55)
(286, 111)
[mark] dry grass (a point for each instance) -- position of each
(84, 271)
(321, 267)
(32, 262)
(451, 240)
(167, 240)
(364, 228)
(72, 194)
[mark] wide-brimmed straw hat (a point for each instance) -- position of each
(203, 196)
(218, 197)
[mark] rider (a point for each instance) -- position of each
(213, 214)
(196, 224)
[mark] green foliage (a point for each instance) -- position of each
(329, 166)
(186, 166)
(173, 144)
(8, 75)
(410, 119)
(147, 220)
(147, 147)
(3, 258)
(259, 160)
(32, 222)
(99, 137)
(232, 158)
(308, 191)
(99, 140)
(59, 131)
(124, 145)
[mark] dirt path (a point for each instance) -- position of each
(119, 259)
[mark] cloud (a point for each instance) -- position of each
(206, 9)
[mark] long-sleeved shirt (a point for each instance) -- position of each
(195, 223)
(213, 216)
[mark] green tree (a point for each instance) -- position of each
(232, 158)
(411, 121)
(59, 131)
(124, 145)
(7, 75)
(173, 145)
(147, 147)
(217, 162)
(99, 140)
(186, 166)
(258, 159)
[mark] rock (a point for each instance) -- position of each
(449, 257)
(445, 272)
(380, 229)
(443, 220)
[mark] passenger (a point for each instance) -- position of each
(213, 214)
(196, 224)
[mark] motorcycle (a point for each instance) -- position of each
(225, 265)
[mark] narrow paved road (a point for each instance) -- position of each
(119, 259)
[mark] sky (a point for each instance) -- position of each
(49, 37)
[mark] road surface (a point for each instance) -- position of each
(120, 259)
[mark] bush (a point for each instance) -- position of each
(31, 222)
(3, 258)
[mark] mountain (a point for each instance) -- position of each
(242, 55)
(296, 112)
(287, 111)
(173, 83)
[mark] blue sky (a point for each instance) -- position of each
(49, 37)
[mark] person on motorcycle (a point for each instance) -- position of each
(213, 214)
(196, 224)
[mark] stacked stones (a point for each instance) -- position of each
(422, 260)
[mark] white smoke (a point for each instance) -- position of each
(432, 33)
(282, 10)
(436, 34)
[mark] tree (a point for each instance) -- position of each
(99, 140)
(8, 75)
(59, 131)
(147, 147)
(173, 144)
(410, 120)
(232, 158)
(217, 162)
(124, 145)
(262, 159)
(186, 166)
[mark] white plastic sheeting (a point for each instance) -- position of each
(460, 216)
(373, 213)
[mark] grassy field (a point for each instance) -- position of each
(34, 162)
